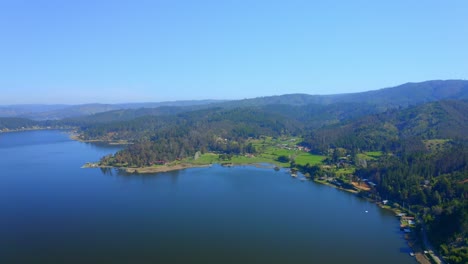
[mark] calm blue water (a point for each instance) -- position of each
(52, 211)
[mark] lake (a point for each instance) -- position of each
(53, 211)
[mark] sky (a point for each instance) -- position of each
(112, 51)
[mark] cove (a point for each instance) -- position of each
(52, 211)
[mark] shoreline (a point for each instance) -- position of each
(30, 129)
(146, 170)
(75, 136)
(162, 168)
(413, 242)
(411, 239)
(172, 167)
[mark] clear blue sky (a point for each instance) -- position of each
(125, 51)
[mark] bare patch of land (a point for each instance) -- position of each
(361, 186)
(163, 168)
(110, 142)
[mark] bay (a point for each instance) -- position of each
(53, 211)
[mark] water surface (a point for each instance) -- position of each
(52, 211)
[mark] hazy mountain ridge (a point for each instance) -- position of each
(422, 145)
(400, 96)
(20, 110)
(415, 93)
(445, 119)
(127, 114)
(54, 112)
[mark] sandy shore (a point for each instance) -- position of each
(76, 137)
(182, 166)
(361, 186)
(163, 168)
(147, 170)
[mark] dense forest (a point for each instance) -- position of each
(158, 139)
(14, 123)
(395, 129)
(432, 184)
(421, 166)
(424, 164)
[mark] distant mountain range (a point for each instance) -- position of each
(54, 112)
(417, 132)
(400, 96)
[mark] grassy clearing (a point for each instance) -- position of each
(365, 157)
(304, 158)
(268, 150)
(374, 154)
(370, 155)
(249, 160)
(300, 157)
(207, 158)
(211, 158)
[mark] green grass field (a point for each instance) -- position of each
(304, 158)
(268, 151)
(370, 155)
(207, 158)
(374, 154)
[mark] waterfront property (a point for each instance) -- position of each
(53, 211)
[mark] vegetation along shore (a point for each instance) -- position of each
(405, 145)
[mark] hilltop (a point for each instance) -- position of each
(393, 97)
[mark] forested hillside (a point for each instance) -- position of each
(12, 123)
(56, 112)
(424, 164)
(167, 138)
(411, 145)
(403, 95)
(396, 129)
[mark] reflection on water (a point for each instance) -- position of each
(52, 211)
(147, 178)
(107, 171)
